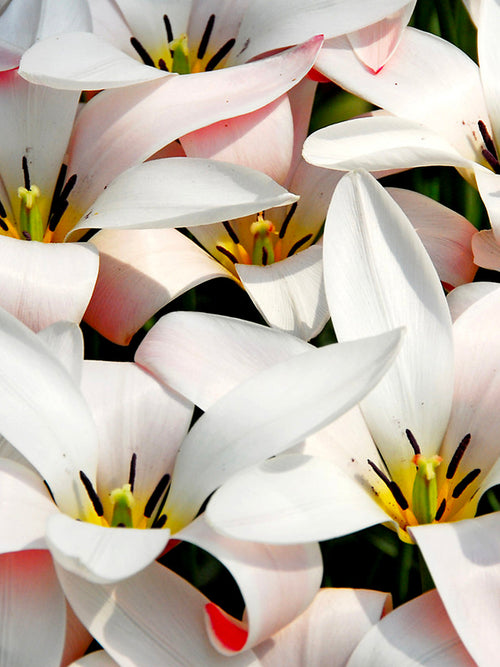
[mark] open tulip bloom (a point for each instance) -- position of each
(426, 447)
(109, 472)
(443, 110)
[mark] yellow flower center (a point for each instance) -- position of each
(432, 500)
(176, 56)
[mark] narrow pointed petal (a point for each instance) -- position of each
(328, 631)
(25, 506)
(46, 282)
(292, 21)
(120, 396)
(290, 294)
(380, 142)
(250, 424)
(153, 618)
(291, 499)
(378, 276)
(277, 584)
(44, 415)
(464, 296)
(477, 386)
(204, 356)
(240, 140)
(446, 235)
(89, 63)
(32, 610)
(182, 192)
(65, 340)
(375, 44)
(99, 554)
(428, 81)
(141, 271)
(417, 633)
(486, 250)
(132, 123)
(470, 589)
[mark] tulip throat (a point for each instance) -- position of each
(433, 499)
(124, 510)
(31, 223)
(176, 56)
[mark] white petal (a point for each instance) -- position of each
(95, 659)
(32, 610)
(380, 142)
(488, 184)
(89, 63)
(154, 618)
(327, 632)
(25, 506)
(204, 356)
(183, 192)
(428, 80)
(489, 25)
(141, 271)
(470, 589)
(291, 499)
(284, 22)
(46, 282)
(134, 414)
(276, 583)
(65, 340)
(446, 235)
(417, 633)
(99, 554)
(464, 296)
(290, 294)
(44, 415)
(378, 276)
(259, 419)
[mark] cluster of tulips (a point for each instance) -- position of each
(167, 475)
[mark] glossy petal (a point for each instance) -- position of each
(287, 22)
(140, 272)
(465, 295)
(46, 282)
(89, 63)
(470, 589)
(134, 414)
(240, 140)
(375, 44)
(153, 618)
(415, 634)
(250, 423)
(277, 583)
(446, 235)
(290, 294)
(204, 356)
(44, 416)
(380, 142)
(99, 554)
(32, 610)
(486, 250)
(477, 387)
(65, 341)
(327, 632)
(132, 123)
(291, 499)
(378, 276)
(25, 506)
(181, 192)
(415, 85)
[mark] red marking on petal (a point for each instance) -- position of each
(228, 631)
(447, 286)
(314, 75)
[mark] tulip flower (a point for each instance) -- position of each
(97, 484)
